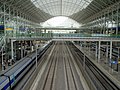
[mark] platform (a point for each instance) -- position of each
(114, 75)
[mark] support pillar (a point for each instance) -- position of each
(96, 51)
(89, 47)
(21, 50)
(30, 46)
(107, 54)
(36, 53)
(117, 21)
(2, 60)
(110, 57)
(45, 33)
(25, 48)
(107, 51)
(12, 52)
(99, 51)
(118, 61)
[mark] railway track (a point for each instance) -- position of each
(58, 70)
(23, 83)
(60, 73)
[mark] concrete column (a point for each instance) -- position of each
(24, 48)
(110, 57)
(104, 24)
(118, 53)
(21, 50)
(101, 25)
(112, 20)
(30, 46)
(4, 20)
(12, 51)
(96, 50)
(89, 46)
(2, 60)
(107, 54)
(99, 51)
(117, 20)
(107, 50)
(36, 53)
(45, 33)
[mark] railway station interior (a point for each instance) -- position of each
(59, 44)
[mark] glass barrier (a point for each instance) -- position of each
(55, 35)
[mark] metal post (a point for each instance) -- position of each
(30, 46)
(12, 52)
(117, 20)
(14, 29)
(99, 51)
(101, 24)
(4, 21)
(104, 23)
(118, 60)
(2, 60)
(21, 23)
(96, 50)
(11, 33)
(89, 47)
(21, 50)
(108, 21)
(110, 58)
(17, 24)
(36, 53)
(24, 49)
(107, 54)
(45, 33)
(112, 22)
(118, 53)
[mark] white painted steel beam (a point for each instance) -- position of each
(67, 39)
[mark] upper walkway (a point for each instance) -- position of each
(65, 37)
(59, 28)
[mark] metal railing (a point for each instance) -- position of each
(56, 35)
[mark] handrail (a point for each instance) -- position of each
(64, 35)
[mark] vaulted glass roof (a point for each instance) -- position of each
(41, 10)
(61, 7)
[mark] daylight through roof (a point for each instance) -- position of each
(61, 7)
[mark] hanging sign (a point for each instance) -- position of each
(9, 29)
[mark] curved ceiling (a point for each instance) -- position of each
(42, 10)
(61, 7)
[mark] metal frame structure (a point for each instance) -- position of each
(13, 22)
(23, 18)
(105, 20)
(82, 16)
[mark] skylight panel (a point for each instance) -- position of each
(64, 7)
